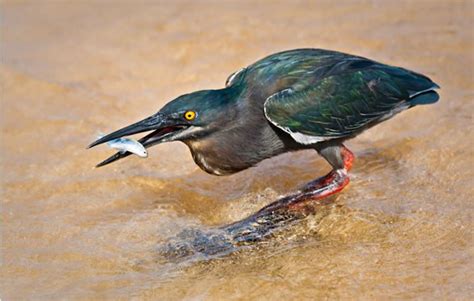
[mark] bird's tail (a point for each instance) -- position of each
(420, 88)
(424, 98)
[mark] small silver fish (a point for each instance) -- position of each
(128, 145)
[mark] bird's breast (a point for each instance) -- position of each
(210, 158)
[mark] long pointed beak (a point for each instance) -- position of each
(120, 155)
(151, 123)
(163, 129)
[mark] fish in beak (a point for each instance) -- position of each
(163, 129)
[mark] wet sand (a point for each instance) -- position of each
(401, 230)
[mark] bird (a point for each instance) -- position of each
(301, 99)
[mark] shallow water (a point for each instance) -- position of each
(402, 229)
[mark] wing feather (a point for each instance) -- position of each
(352, 95)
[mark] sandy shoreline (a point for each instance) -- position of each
(402, 230)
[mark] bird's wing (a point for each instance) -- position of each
(345, 100)
(233, 77)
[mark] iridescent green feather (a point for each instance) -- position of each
(327, 94)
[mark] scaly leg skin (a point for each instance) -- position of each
(298, 205)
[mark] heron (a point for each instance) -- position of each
(289, 101)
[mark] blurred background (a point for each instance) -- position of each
(72, 70)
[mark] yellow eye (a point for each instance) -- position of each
(190, 115)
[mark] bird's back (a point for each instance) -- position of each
(284, 69)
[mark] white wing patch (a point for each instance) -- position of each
(307, 139)
(297, 136)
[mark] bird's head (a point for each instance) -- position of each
(190, 116)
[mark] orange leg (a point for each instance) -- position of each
(292, 207)
(318, 189)
(348, 159)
